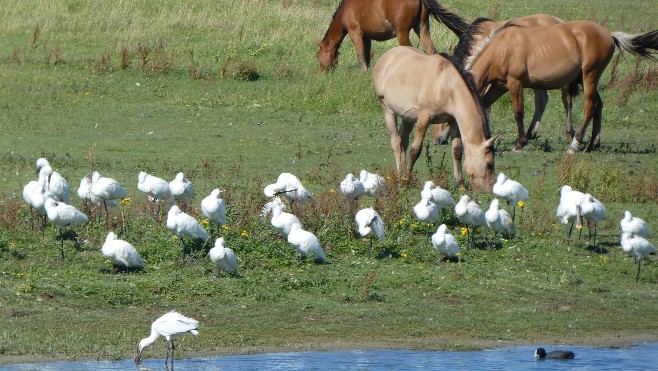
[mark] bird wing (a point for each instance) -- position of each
(174, 323)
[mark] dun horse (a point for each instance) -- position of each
(551, 57)
(426, 89)
(367, 20)
(441, 132)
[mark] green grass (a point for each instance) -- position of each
(192, 108)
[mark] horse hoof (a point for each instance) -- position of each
(572, 150)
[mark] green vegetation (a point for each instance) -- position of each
(229, 92)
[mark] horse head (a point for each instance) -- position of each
(441, 133)
(479, 164)
(328, 55)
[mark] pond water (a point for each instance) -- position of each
(639, 357)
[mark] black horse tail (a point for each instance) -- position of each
(455, 23)
(645, 45)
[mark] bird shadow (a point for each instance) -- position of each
(488, 244)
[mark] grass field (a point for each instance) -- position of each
(230, 94)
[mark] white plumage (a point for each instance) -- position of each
(214, 208)
(439, 196)
(637, 247)
(568, 210)
(351, 187)
(373, 184)
(183, 226)
(106, 190)
(154, 187)
(369, 222)
(281, 220)
(426, 211)
(510, 191)
(181, 189)
(499, 220)
(62, 216)
(56, 182)
(290, 187)
(444, 242)
(121, 253)
(634, 225)
(170, 326)
(35, 194)
(592, 211)
(223, 258)
(469, 213)
(306, 244)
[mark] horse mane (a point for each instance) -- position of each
(466, 52)
(454, 22)
(333, 17)
(472, 88)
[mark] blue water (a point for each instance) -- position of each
(638, 357)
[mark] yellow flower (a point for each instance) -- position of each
(204, 222)
(244, 234)
(521, 204)
(226, 228)
(125, 201)
(464, 231)
(332, 191)
(403, 220)
(403, 254)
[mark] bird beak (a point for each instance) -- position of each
(138, 357)
(579, 219)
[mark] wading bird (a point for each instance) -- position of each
(306, 244)
(62, 216)
(170, 326)
(281, 220)
(352, 189)
(223, 258)
(214, 208)
(634, 225)
(374, 184)
(592, 211)
(181, 190)
(157, 189)
(56, 182)
(637, 247)
(123, 254)
(290, 187)
(106, 189)
(183, 225)
(510, 190)
(499, 220)
(445, 243)
(439, 196)
(568, 211)
(35, 194)
(469, 213)
(370, 223)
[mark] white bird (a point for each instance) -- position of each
(223, 258)
(155, 188)
(122, 253)
(62, 216)
(106, 190)
(35, 194)
(170, 326)
(351, 187)
(374, 185)
(568, 210)
(439, 196)
(369, 222)
(281, 220)
(510, 190)
(592, 211)
(637, 247)
(306, 244)
(426, 211)
(499, 220)
(469, 213)
(181, 189)
(634, 225)
(183, 225)
(56, 182)
(445, 243)
(213, 207)
(291, 188)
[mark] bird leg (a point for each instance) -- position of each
(61, 238)
(639, 265)
(167, 355)
(107, 214)
(173, 348)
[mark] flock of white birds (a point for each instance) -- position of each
(49, 195)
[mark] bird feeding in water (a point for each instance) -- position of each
(170, 326)
(541, 353)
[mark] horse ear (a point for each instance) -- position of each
(319, 42)
(493, 141)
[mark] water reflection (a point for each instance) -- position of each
(639, 357)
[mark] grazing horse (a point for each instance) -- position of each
(550, 57)
(367, 20)
(441, 132)
(425, 89)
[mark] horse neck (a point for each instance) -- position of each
(472, 125)
(336, 31)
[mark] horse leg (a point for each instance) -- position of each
(357, 39)
(541, 98)
(457, 155)
(396, 141)
(593, 103)
(516, 92)
(367, 43)
(423, 32)
(417, 145)
(595, 141)
(404, 132)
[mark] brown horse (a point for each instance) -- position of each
(441, 132)
(367, 20)
(425, 89)
(551, 57)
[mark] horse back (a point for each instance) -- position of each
(379, 19)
